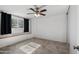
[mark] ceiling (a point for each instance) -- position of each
(22, 10)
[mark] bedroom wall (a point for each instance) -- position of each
(51, 28)
(72, 27)
(0, 23)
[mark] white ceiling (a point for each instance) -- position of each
(22, 10)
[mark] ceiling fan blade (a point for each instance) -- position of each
(32, 9)
(30, 13)
(43, 14)
(43, 10)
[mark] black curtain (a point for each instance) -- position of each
(8, 24)
(26, 25)
(5, 23)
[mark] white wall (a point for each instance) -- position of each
(77, 44)
(72, 27)
(52, 27)
(0, 23)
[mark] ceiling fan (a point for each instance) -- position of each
(38, 11)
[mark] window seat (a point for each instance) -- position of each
(6, 40)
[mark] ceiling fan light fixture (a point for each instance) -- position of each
(37, 15)
(37, 11)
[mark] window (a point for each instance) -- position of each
(17, 25)
(17, 22)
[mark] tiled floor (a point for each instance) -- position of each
(47, 47)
